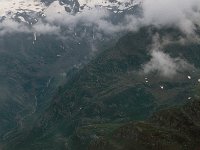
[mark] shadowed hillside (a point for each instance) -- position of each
(111, 91)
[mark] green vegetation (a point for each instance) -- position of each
(93, 110)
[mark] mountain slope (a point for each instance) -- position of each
(110, 90)
(171, 129)
(34, 62)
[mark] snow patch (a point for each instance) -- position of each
(14, 6)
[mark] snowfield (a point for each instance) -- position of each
(8, 7)
(14, 6)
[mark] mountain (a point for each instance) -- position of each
(174, 128)
(111, 91)
(104, 74)
(37, 56)
(118, 6)
(30, 11)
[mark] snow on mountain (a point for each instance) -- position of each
(119, 4)
(52, 16)
(19, 8)
(14, 6)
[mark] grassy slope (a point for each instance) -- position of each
(107, 92)
(171, 129)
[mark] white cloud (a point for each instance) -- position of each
(45, 28)
(183, 14)
(10, 26)
(56, 14)
(163, 63)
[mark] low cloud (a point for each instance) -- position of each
(165, 65)
(96, 17)
(182, 14)
(45, 28)
(162, 63)
(10, 26)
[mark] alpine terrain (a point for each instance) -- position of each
(99, 75)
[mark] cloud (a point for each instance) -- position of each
(10, 26)
(56, 17)
(45, 28)
(182, 14)
(98, 17)
(163, 64)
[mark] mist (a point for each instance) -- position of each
(183, 15)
